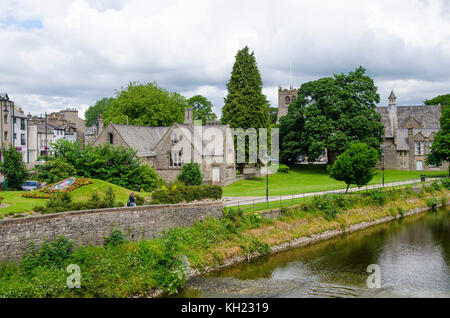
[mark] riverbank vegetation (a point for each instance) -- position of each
(123, 269)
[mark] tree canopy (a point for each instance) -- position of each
(440, 149)
(202, 108)
(355, 166)
(91, 115)
(442, 99)
(118, 165)
(332, 113)
(13, 168)
(245, 104)
(145, 105)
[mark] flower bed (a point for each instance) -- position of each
(36, 195)
(79, 182)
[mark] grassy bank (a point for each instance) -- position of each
(124, 269)
(306, 179)
(19, 204)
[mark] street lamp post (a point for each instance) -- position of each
(382, 154)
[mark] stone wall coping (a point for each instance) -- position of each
(31, 218)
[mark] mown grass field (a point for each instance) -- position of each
(18, 204)
(307, 179)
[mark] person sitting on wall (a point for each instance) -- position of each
(132, 200)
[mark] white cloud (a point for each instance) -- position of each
(87, 49)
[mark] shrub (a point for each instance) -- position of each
(433, 203)
(50, 254)
(110, 197)
(401, 211)
(180, 193)
(446, 183)
(436, 185)
(378, 196)
(116, 238)
(55, 170)
(191, 174)
(283, 169)
(444, 201)
(140, 200)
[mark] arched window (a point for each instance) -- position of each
(288, 100)
(111, 138)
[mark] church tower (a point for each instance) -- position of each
(285, 98)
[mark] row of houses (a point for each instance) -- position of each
(33, 136)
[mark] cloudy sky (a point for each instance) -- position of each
(63, 53)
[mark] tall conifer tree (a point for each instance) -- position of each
(245, 105)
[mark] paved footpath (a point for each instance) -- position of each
(235, 201)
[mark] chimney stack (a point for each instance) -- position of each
(99, 124)
(189, 116)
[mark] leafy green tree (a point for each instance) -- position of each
(245, 105)
(118, 165)
(440, 149)
(145, 105)
(91, 115)
(55, 170)
(442, 99)
(13, 168)
(191, 174)
(202, 108)
(355, 166)
(332, 113)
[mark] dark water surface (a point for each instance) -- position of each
(413, 255)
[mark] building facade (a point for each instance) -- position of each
(13, 126)
(167, 149)
(409, 134)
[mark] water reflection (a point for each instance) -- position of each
(414, 255)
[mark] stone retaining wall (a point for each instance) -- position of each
(91, 226)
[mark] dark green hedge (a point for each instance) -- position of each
(180, 193)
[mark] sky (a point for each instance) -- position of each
(62, 53)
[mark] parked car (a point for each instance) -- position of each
(31, 185)
(39, 162)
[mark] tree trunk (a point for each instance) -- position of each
(348, 186)
(331, 156)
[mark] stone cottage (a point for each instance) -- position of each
(409, 134)
(166, 149)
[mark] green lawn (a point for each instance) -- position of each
(19, 204)
(306, 179)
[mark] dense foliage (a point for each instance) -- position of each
(177, 193)
(331, 113)
(62, 201)
(55, 170)
(245, 105)
(117, 165)
(440, 149)
(355, 166)
(191, 174)
(145, 105)
(91, 115)
(442, 99)
(202, 108)
(13, 168)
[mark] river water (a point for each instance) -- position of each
(413, 255)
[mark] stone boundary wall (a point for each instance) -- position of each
(89, 227)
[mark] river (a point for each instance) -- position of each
(413, 255)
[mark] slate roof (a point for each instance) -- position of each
(141, 138)
(398, 120)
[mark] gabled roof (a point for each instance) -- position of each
(392, 96)
(141, 138)
(426, 116)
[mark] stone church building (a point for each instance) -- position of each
(166, 149)
(409, 134)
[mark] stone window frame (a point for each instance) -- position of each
(111, 138)
(287, 100)
(419, 148)
(175, 159)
